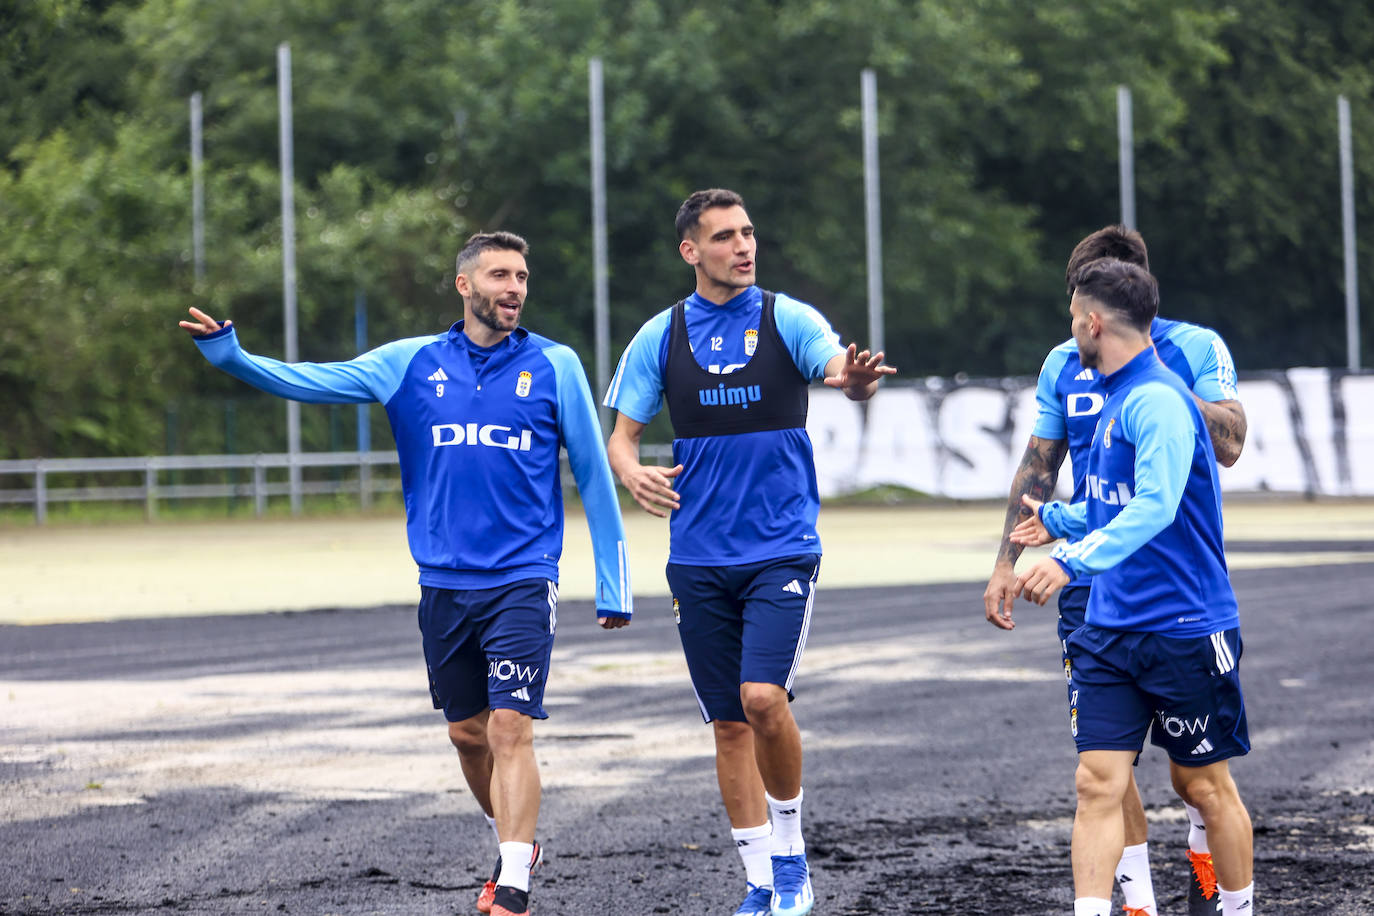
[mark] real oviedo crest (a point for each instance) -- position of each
(751, 341)
(522, 384)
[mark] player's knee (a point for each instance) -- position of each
(508, 731)
(1098, 785)
(732, 733)
(765, 705)
(1210, 790)
(469, 737)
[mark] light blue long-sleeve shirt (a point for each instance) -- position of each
(478, 432)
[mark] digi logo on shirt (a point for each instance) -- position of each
(1113, 494)
(472, 434)
(1085, 405)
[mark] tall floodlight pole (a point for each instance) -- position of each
(288, 264)
(1352, 286)
(1125, 135)
(600, 285)
(197, 191)
(873, 217)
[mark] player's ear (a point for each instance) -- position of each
(461, 284)
(688, 249)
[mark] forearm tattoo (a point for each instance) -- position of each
(1227, 427)
(1035, 478)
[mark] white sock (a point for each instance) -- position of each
(1092, 906)
(1238, 903)
(491, 822)
(1197, 830)
(787, 835)
(515, 865)
(1133, 874)
(755, 845)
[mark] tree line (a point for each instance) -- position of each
(418, 122)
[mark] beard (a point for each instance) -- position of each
(1088, 353)
(484, 310)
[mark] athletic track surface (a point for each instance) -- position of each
(291, 763)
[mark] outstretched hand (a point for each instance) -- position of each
(1031, 532)
(203, 323)
(860, 372)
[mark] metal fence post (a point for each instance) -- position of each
(364, 481)
(259, 485)
(150, 491)
(40, 493)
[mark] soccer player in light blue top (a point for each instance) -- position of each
(1160, 648)
(733, 363)
(1070, 397)
(479, 415)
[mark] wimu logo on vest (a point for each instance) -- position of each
(472, 434)
(721, 396)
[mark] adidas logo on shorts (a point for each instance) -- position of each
(794, 587)
(524, 694)
(1204, 748)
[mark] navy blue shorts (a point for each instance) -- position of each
(1073, 607)
(1185, 692)
(489, 648)
(742, 624)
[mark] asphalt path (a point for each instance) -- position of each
(291, 763)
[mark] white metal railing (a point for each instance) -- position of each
(153, 487)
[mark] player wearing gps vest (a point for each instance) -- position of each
(733, 363)
(479, 414)
(1159, 651)
(1070, 398)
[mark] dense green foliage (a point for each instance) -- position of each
(420, 121)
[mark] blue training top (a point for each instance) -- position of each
(1150, 521)
(1070, 397)
(745, 498)
(478, 431)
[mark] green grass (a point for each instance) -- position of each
(884, 495)
(341, 505)
(125, 512)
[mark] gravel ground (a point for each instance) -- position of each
(290, 763)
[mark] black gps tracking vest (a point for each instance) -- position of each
(767, 393)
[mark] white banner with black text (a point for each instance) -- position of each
(1310, 431)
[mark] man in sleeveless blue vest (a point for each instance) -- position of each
(479, 414)
(1070, 398)
(1160, 647)
(733, 363)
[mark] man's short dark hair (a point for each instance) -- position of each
(689, 214)
(1128, 289)
(1108, 242)
(488, 241)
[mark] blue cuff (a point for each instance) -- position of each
(224, 328)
